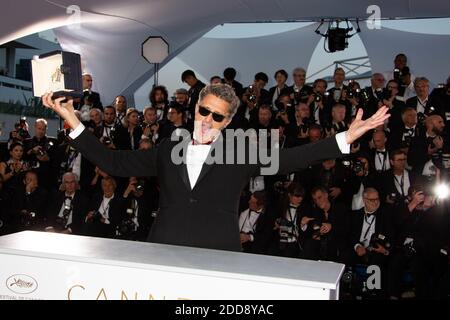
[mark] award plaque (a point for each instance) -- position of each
(59, 72)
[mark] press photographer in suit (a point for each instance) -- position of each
(207, 197)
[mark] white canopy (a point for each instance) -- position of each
(108, 33)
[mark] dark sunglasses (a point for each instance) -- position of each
(217, 117)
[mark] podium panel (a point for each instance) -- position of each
(39, 265)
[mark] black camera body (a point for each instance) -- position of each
(126, 228)
(377, 240)
(27, 218)
(315, 227)
(288, 230)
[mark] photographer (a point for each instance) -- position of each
(255, 94)
(371, 234)
(360, 179)
(255, 225)
(422, 234)
(133, 127)
(390, 99)
(138, 217)
(426, 149)
(379, 155)
(410, 128)
(291, 209)
(106, 211)
(299, 91)
(67, 207)
(423, 103)
(95, 119)
(28, 205)
(325, 228)
(396, 181)
(280, 78)
(120, 106)
(299, 129)
(195, 86)
(229, 75)
(39, 151)
(111, 133)
(150, 124)
(373, 95)
(20, 132)
(338, 123)
(318, 102)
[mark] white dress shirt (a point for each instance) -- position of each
(382, 161)
(104, 208)
(248, 220)
(197, 154)
(368, 229)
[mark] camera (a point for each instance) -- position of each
(252, 97)
(317, 97)
(107, 141)
(409, 248)
(27, 218)
(97, 218)
(41, 152)
(126, 227)
(357, 166)
(378, 240)
(315, 227)
(288, 231)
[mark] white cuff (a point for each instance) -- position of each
(252, 238)
(357, 245)
(78, 130)
(341, 140)
(304, 227)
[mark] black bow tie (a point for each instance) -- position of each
(381, 152)
(67, 198)
(410, 130)
(293, 207)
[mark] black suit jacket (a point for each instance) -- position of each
(116, 213)
(187, 215)
(383, 225)
(80, 205)
(432, 106)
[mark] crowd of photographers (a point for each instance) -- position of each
(383, 205)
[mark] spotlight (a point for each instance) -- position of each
(337, 36)
(442, 191)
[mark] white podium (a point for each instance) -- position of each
(38, 265)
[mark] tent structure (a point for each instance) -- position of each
(108, 33)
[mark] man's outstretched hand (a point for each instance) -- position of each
(359, 127)
(65, 110)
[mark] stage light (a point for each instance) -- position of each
(335, 36)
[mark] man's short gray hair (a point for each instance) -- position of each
(223, 92)
(421, 79)
(41, 120)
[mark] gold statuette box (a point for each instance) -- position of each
(59, 72)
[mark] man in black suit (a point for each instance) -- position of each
(92, 96)
(111, 132)
(299, 91)
(423, 102)
(426, 148)
(28, 205)
(106, 211)
(229, 75)
(195, 85)
(67, 208)
(327, 229)
(371, 233)
(410, 128)
(256, 225)
(198, 193)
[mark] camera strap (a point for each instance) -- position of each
(401, 183)
(370, 225)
